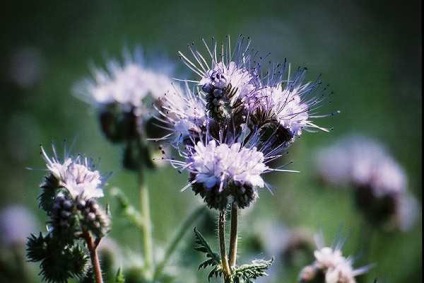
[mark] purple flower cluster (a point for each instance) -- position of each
(379, 183)
(234, 118)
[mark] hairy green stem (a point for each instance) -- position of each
(92, 248)
(221, 236)
(146, 228)
(130, 212)
(177, 239)
(233, 235)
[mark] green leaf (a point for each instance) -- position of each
(213, 258)
(215, 272)
(202, 246)
(254, 270)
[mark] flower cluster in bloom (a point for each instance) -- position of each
(330, 266)
(69, 194)
(220, 171)
(235, 118)
(379, 183)
(128, 84)
(123, 95)
(69, 197)
(76, 175)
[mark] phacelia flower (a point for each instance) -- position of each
(127, 83)
(77, 175)
(367, 163)
(69, 197)
(183, 114)
(124, 93)
(330, 266)
(238, 89)
(221, 171)
(236, 118)
(226, 77)
(379, 182)
(285, 104)
(327, 258)
(336, 267)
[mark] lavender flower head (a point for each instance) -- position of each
(234, 120)
(127, 83)
(77, 175)
(330, 266)
(360, 161)
(226, 78)
(287, 103)
(69, 196)
(378, 181)
(183, 114)
(124, 93)
(219, 172)
(246, 164)
(238, 88)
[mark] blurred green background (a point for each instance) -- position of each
(368, 51)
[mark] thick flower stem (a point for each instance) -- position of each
(147, 225)
(221, 236)
(233, 235)
(92, 247)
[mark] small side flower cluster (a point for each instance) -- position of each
(123, 95)
(69, 197)
(236, 118)
(379, 182)
(330, 266)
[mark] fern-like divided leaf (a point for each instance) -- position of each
(215, 272)
(203, 247)
(247, 272)
(213, 259)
